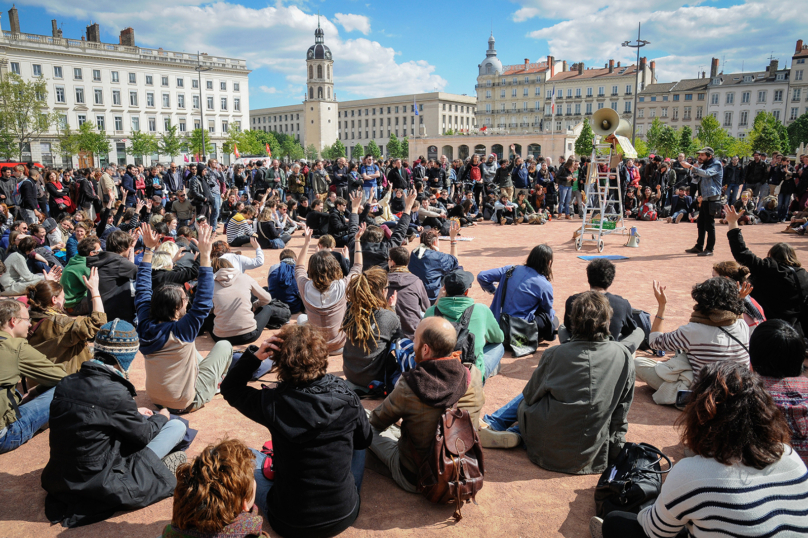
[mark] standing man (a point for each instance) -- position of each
(339, 173)
(319, 180)
(8, 191)
(108, 185)
(733, 180)
(756, 175)
(216, 183)
(710, 175)
(395, 178)
(129, 194)
(369, 173)
(173, 180)
(28, 201)
(277, 179)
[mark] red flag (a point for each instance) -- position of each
(235, 151)
(269, 151)
(186, 158)
(484, 127)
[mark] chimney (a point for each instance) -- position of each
(653, 71)
(55, 31)
(527, 61)
(94, 33)
(773, 66)
(799, 45)
(551, 65)
(14, 19)
(618, 64)
(580, 68)
(714, 68)
(611, 66)
(703, 74)
(127, 37)
(564, 65)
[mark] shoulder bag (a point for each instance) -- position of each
(633, 481)
(521, 336)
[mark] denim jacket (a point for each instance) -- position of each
(711, 176)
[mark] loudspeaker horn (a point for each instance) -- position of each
(633, 239)
(605, 121)
(623, 128)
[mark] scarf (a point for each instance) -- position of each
(399, 269)
(716, 318)
(439, 382)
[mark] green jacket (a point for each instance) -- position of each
(71, 280)
(18, 358)
(483, 324)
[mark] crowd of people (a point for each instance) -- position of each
(102, 265)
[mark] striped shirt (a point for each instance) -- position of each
(705, 344)
(716, 500)
(238, 226)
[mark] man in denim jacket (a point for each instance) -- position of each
(710, 175)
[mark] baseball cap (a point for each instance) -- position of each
(706, 149)
(457, 282)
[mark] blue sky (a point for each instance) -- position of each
(392, 48)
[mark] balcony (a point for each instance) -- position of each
(522, 124)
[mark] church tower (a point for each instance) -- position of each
(320, 106)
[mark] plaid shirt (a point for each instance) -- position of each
(790, 394)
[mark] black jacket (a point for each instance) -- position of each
(315, 429)
(318, 221)
(396, 179)
(756, 173)
(99, 463)
(114, 275)
(178, 275)
(377, 254)
(86, 193)
(336, 223)
(340, 175)
(28, 194)
(733, 175)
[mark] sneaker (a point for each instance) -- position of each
(493, 439)
(596, 527)
(520, 220)
(679, 217)
(503, 221)
(174, 460)
(668, 220)
(694, 250)
(705, 253)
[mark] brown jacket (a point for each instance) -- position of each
(419, 420)
(63, 339)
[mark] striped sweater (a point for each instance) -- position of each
(716, 500)
(238, 226)
(705, 344)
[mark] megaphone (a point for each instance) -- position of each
(623, 128)
(605, 121)
(633, 239)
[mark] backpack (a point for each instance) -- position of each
(452, 471)
(465, 339)
(633, 481)
(648, 212)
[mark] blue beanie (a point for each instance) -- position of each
(119, 339)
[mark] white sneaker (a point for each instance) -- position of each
(596, 527)
(493, 439)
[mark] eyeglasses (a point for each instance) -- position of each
(28, 319)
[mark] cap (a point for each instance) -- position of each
(706, 149)
(119, 339)
(49, 224)
(457, 282)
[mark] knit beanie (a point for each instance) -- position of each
(119, 339)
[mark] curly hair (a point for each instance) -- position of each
(40, 295)
(366, 295)
(323, 270)
(590, 316)
(732, 418)
(717, 293)
(732, 269)
(303, 356)
(219, 248)
(211, 491)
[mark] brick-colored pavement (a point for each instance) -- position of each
(519, 499)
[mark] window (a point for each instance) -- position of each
(588, 108)
(700, 96)
(794, 112)
(98, 96)
(569, 92)
(149, 99)
(600, 105)
(166, 100)
(641, 99)
(57, 71)
(119, 123)
(577, 109)
(776, 114)
(778, 96)
(727, 119)
(60, 94)
(549, 94)
(601, 91)
(589, 92)
(181, 125)
(209, 85)
(676, 97)
(487, 96)
(653, 98)
(197, 125)
(97, 75)
(801, 61)
(501, 93)
(152, 125)
(688, 97)
(115, 77)
(746, 97)
(100, 123)
(577, 92)
(224, 103)
(149, 80)
(743, 118)
(77, 75)
(133, 98)
(37, 70)
(180, 82)
(116, 97)
(747, 78)
(166, 124)
(196, 101)
(798, 74)
(796, 95)
(761, 96)
(698, 112)
(614, 106)
(487, 108)
(132, 78)
(686, 114)
(614, 90)
(628, 89)
(653, 113)
(236, 87)
(223, 87)
(730, 98)
(212, 126)
(513, 92)
(210, 103)
(79, 95)
(641, 113)
(676, 113)
(628, 107)
(225, 126)
(781, 76)
(714, 99)
(195, 83)
(82, 119)
(525, 92)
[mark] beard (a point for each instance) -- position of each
(418, 355)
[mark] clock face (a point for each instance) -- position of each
(311, 54)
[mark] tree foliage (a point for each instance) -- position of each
(394, 147)
(668, 142)
(642, 148)
(194, 143)
(710, 133)
(374, 150)
(7, 146)
(311, 153)
(170, 144)
(404, 152)
(583, 144)
(142, 144)
(740, 147)
(23, 109)
(687, 143)
(358, 152)
(90, 140)
(768, 134)
(798, 133)
(653, 134)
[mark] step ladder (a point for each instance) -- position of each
(603, 210)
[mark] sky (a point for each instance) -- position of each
(399, 48)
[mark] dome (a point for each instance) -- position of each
(318, 52)
(494, 63)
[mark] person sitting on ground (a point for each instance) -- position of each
(177, 377)
(437, 382)
(411, 297)
(323, 289)
(339, 226)
(240, 227)
(281, 282)
(215, 495)
(61, 338)
(460, 213)
(105, 452)
(488, 337)
(744, 478)
(221, 249)
(116, 270)
(429, 264)
(326, 242)
(19, 422)
(680, 206)
(236, 318)
(777, 353)
(376, 248)
(166, 268)
(524, 211)
(753, 313)
(504, 211)
(715, 332)
(370, 325)
(18, 277)
(779, 281)
(319, 434)
(317, 219)
(581, 391)
(429, 216)
(268, 234)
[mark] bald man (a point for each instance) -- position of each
(438, 381)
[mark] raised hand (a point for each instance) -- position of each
(745, 289)
(92, 282)
(731, 215)
(392, 299)
(150, 238)
(659, 293)
(361, 231)
(55, 273)
(356, 200)
(454, 229)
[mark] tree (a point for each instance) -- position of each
(235, 138)
(394, 147)
(642, 148)
(686, 143)
(66, 142)
(711, 134)
(338, 150)
(311, 153)
(767, 139)
(668, 142)
(798, 132)
(740, 147)
(90, 140)
(449, 132)
(404, 152)
(654, 132)
(142, 144)
(170, 144)
(23, 109)
(291, 148)
(268, 138)
(7, 146)
(194, 143)
(583, 144)
(782, 132)
(358, 152)
(374, 150)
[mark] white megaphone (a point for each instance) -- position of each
(634, 238)
(605, 122)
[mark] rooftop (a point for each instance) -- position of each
(524, 69)
(594, 73)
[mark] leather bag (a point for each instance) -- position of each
(633, 481)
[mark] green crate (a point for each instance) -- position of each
(608, 225)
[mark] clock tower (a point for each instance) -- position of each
(320, 106)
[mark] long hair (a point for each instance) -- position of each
(540, 260)
(323, 270)
(40, 295)
(365, 295)
(784, 254)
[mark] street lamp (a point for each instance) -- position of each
(199, 69)
(636, 45)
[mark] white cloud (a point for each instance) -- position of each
(353, 22)
(268, 89)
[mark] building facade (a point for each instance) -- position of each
(798, 84)
(123, 88)
(675, 103)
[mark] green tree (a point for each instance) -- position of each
(642, 148)
(23, 109)
(66, 142)
(686, 142)
(269, 138)
(740, 147)
(583, 144)
(7, 146)
(374, 150)
(710, 133)
(170, 144)
(668, 142)
(291, 148)
(338, 150)
(767, 139)
(449, 132)
(90, 140)
(142, 144)
(404, 152)
(358, 152)
(798, 132)
(235, 139)
(311, 153)
(654, 132)
(394, 147)
(782, 132)
(194, 143)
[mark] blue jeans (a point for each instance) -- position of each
(263, 485)
(170, 435)
(33, 415)
(214, 210)
(492, 356)
(783, 201)
(675, 215)
(564, 194)
(506, 416)
(370, 192)
(732, 193)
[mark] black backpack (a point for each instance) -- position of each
(465, 339)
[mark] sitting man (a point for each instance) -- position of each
(316, 219)
(116, 270)
(504, 211)
(281, 282)
(412, 300)
(77, 302)
(488, 337)
(438, 381)
(177, 377)
(376, 248)
(338, 222)
(429, 264)
(581, 392)
(19, 422)
(240, 227)
(105, 452)
(680, 205)
(433, 217)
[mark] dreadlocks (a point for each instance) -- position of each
(366, 295)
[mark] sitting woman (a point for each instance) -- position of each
(753, 313)
(524, 211)
(319, 434)
(215, 495)
(744, 479)
(237, 319)
(323, 290)
(269, 235)
(61, 338)
(370, 325)
(165, 272)
(105, 451)
(72, 245)
(460, 212)
(240, 227)
(581, 391)
(281, 282)
(716, 332)
(18, 277)
(242, 263)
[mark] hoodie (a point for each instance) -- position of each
(315, 428)
(411, 300)
(232, 305)
(115, 275)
